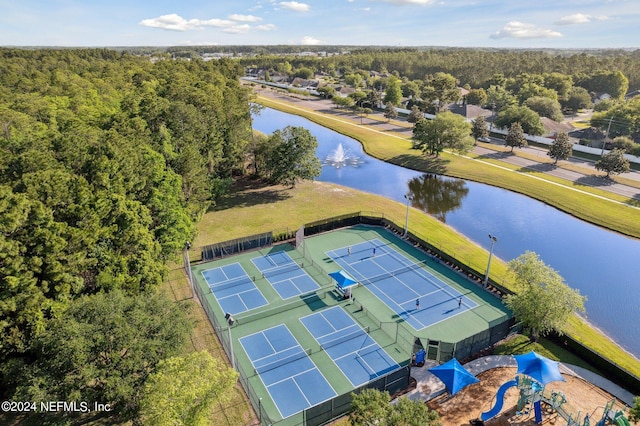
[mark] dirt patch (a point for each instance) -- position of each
(468, 404)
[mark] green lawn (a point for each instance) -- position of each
(520, 344)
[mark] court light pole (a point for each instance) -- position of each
(409, 198)
(230, 322)
(493, 239)
(187, 246)
(260, 410)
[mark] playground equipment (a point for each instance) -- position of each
(533, 394)
(499, 400)
(611, 416)
(530, 393)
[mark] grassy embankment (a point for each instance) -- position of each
(602, 208)
(397, 150)
(237, 410)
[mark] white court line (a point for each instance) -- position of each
(292, 377)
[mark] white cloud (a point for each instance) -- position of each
(579, 18)
(267, 27)
(363, 9)
(238, 29)
(244, 18)
(516, 29)
(421, 2)
(294, 5)
(174, 22)
(308, 40)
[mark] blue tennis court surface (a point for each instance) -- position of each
(290, 376)
(284, 274)
(234, 290)
(410, 290)
(359, 357)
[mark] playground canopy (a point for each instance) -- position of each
(454, 376)
(342, 278)
(539, 368)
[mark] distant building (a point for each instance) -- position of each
(591, 136)
(552, 128)
(346, 91)
(469, 111)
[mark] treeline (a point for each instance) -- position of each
(106, 161)
(473, 67)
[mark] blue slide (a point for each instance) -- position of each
(499, 400)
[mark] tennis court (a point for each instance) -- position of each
(234, 290)
(357, 355)
(290, 376)
(411, 291)
(284, 274)
(301, 351)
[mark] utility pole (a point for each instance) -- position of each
(605, 138)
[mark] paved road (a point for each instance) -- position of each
(584, 173)
(584, 178)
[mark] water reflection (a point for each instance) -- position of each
(436, 195)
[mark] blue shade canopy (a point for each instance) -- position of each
(342, 278)
(539, 368)
(454, 376)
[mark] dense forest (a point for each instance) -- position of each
(107, 159)
(473, 67)
(517, 85)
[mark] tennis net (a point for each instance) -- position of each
(280, 270)
(396, 272)
(282, 361)
(313, 299)
(230, 283)
(344, 338)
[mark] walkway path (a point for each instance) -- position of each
(429, 386)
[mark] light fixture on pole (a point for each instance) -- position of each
(493, 239)
(260, 410)
(230, 322)
(187, 246)
(409, 198)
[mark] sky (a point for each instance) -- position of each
(579, 24)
